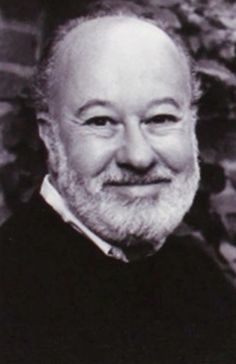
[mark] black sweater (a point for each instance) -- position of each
(64, 302)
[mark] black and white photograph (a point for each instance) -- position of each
(117, 182)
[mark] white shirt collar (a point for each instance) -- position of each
(55, 200)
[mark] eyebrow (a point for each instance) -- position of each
(165, 100)
(92, 103)
(105, 103)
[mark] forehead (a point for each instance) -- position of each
(118, 50)
(131, 35)
(96, 32)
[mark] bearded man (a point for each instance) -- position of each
(85, 277)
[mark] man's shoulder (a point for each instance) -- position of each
(192, 270)
(38, 234)
(36, 228)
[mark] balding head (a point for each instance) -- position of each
(118, 48)
(74, 31)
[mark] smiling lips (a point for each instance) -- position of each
(137, 188)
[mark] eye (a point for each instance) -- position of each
(100, 121)
(162, 118)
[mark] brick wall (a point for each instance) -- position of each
(20, 35)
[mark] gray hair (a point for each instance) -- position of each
(42, 82)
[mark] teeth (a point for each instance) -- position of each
(140, 183)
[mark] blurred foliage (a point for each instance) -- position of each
(21, 177)
(208, 29)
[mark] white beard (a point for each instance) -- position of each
(120, 220)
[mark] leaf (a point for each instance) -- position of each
(216, 70)
(164, 3)
(168, 17)
(194, 43)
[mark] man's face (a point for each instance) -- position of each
(125, 149)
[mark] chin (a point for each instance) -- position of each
(144, 221)
(118, 219)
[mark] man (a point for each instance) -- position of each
(116, 117)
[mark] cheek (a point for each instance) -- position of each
(88, 156)
(178, 152)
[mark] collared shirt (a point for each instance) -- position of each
(55, 200)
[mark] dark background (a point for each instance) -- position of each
(209, 31)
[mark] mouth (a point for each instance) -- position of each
(137, 189)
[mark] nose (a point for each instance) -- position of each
(136, 152)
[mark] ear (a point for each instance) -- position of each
(47, 134)
(45, 129)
